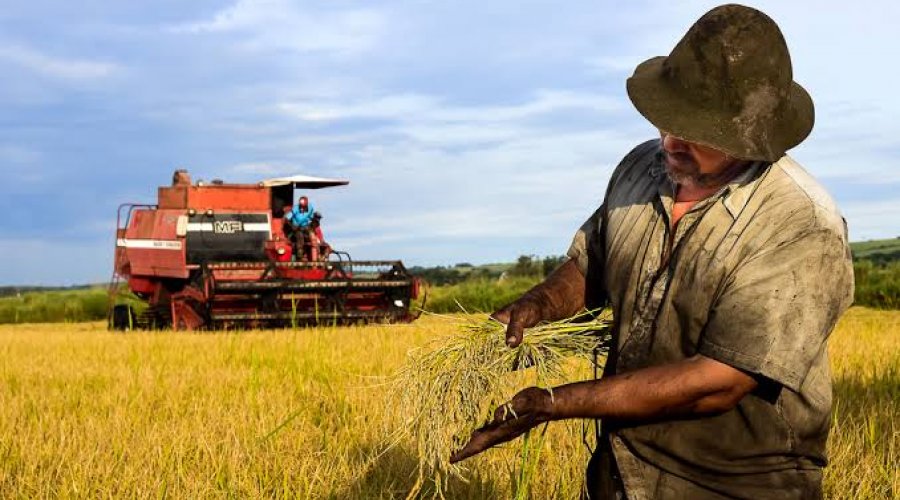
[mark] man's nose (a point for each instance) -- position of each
(672, 144)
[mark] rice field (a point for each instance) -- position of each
(85, 413)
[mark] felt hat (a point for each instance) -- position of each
(727, 84)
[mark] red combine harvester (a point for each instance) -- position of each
(219, 255)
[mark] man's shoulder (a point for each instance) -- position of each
(642, 150)
(636, 165)
(800, 193)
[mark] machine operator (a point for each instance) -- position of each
(303, 227)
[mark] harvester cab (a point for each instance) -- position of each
(221, 255)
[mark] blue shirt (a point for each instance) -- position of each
(301, 219)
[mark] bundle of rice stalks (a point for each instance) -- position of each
(452, 386)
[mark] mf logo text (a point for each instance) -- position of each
(227, 226)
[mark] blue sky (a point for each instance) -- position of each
(470, 131)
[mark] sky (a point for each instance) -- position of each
(470, 131)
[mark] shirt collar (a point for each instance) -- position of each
(741, 188)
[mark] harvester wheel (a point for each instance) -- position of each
(122, 317)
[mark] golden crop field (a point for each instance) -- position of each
(85, 413)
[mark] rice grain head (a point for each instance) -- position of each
(451, 386)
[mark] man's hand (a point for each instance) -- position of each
(521, 314)
(691, 388)
(559, 296)
(527, 409)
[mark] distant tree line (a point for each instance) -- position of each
(526, 266)
(882, 258)
(15, 291)
(531, 266)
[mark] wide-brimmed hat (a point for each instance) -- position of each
(728, 84)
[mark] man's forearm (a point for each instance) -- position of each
(561, 294)
(694, 387)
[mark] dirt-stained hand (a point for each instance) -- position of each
(526, 410)
(519, 315)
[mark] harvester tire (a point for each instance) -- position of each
(122, 318)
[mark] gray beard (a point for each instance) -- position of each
(696, 179)
(692, 179)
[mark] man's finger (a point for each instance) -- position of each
(485, 438)
(515, 329)
(505, 427)
(479, 442)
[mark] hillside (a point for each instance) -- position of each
(877, 251)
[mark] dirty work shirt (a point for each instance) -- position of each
(756, 277)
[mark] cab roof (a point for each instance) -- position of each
(304, 182)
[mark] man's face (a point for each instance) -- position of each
(692, 164)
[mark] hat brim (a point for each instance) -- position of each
(767, 138)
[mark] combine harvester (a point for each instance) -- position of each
(217, 255)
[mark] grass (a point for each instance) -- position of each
(864, 446)
(61, 306)
(477, 295)
(91, 414)
(55, 306)
(878, 285)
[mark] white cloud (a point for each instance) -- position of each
(468, 225)
(57, 67)
(281, 25)
(387, 107)
(544, 101)
(422, 108)
(427, 171)
(536, 187)
(457, 124)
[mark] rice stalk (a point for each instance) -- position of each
(529, 455)
(452, 385)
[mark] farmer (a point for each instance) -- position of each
(298, 225)
(726, 266)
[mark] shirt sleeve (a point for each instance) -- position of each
(778, 308)
(588, 250)
(585, 242)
